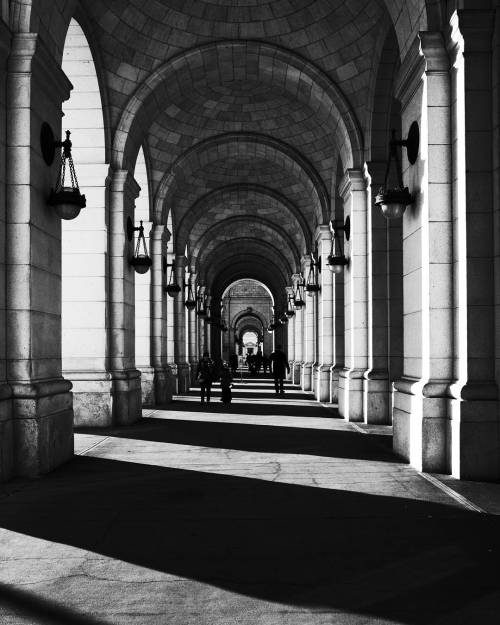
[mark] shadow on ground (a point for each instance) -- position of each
(256, 438)
(410, 561)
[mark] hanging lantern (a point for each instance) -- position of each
(190, 302)
(65, 197)
(312, 283)
(173, 287)
(141, 260)
(298, 300)
(337, 262)
(290, 312)
(201, 301)
(393, 201)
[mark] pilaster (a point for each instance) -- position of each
(325, 317)
(126, 383)
(308, 333)
(42, 411)
(354, 193)
(183, 375)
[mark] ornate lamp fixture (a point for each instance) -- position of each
(173, 287)
(337, 262)
(201, 310)
(141, 260)
(312, 283)
(298, 298)
(65, 197)
(190, 302)
(393, 201)
(290, 312)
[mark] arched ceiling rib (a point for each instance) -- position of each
(244, 200)
(251, 230)
(242, 158)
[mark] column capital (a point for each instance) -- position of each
(322, 233)
(353, 180)
(30, 56)
(122, 181)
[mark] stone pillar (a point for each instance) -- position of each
(308, 354)
(143, 323)
(298, 339)
(325, 317)
(169, 312)
(126, 382)
(377, 401)
(42, 408)
(161, 381)
(180, 328)
(473, 436)
(193, 355)
(85, 280)
(421, 400)
(290, 337)
(354, 192)
(6, 425)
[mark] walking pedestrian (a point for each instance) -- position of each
(279, 365)
(205, 376)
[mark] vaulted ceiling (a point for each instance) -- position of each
(246, 110)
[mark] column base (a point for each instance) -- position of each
(376, 391)
(162, 386)
(322, 383)
(42, 426)
(334, 384)
(351, 394)
(183, 377)
(92, 398)
(6, 433)
(126, 388)
(147, 386)
(421, 424)
(307, 376)
(173, 386)
(474, 434)
(296, 372)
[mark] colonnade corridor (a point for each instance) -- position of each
(269, 511)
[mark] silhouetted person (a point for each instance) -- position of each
(205, 376)
(233, 363)
(279, 364)
(258, 361)
(226, 380)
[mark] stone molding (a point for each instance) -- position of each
(29, 55)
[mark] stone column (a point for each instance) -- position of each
(42, 409)
(354, 192)
(421, 400)
(473, 445)
(180, 327)
(85, 279)
(308, 354)
(161, 382)
(193, 355)
(298, 339)
(126, 382)
(325, 317)
(6, 425)
(169, 312)
(377, 400)
(143, 323)
(291, 338)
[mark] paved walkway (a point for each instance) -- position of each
(272, 511)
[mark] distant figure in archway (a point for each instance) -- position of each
(279, 365)
(205, 376)
(233, 363)
(258, 361)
